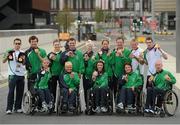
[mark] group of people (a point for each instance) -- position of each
(120, 70)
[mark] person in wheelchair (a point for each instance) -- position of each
(100, 87)
(69, 84)
(128, 85)
(41, 86)
(162, 81)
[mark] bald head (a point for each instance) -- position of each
(158, 65)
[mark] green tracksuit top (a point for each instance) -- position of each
(33, 63)
(134, 80)
(119, 61)
(89, 65)
(42, 80)
(72, 83)
(107, 61)
(161, 83)
(55, 66)
(77, 62)
(101, 81)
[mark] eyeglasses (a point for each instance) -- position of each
(17, 43)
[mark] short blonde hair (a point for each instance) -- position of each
(68, 63)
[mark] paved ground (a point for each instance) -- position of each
(82, 119)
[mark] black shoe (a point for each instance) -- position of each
(64, 107)
(71, 108)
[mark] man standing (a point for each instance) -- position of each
(74, 56)
(151, 55)
(55, 67)
(120, 56)
(16, 71)
(135, 55)
(34, 61)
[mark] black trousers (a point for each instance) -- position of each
(53, 86)
(113, 85)
(126, 96)
(31, 81)
(18, 83)
(100, 96)
(86, 85)
(152, 93)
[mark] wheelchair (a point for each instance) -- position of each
(31, 104)
(168, 105)
(59, 104)
(137, 103)
(91, 102)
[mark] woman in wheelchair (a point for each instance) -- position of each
(100, 87)
(161, 82)
(127, 86)
(41, 86)
(69, 84)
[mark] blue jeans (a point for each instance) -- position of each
(18, 83)
(69, 98)
(44, 95)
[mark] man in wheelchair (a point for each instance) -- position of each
(69, 84)
(100, 87)
(161, 82)
(128, 86)
(41, 86)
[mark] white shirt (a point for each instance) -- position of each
(14, 67)
(152, 56)
(135, 64)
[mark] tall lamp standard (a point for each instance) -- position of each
(79, 21)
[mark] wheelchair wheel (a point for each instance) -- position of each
(27, 102)
(170, 103)
(78, 110)
(89, 103)
(110, 102)
(142, 102)
(58, 104)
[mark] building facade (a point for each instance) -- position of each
(88, 7)
(22, 14)
(165, 10)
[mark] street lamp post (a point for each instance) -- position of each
(177, 36)
(152, 11)
(79, 21)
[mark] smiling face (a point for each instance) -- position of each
(34, 43)
(57, 46)
(17, 44)
(158, 65)
(72, 44)
(45, 64)
(149, 44)
(68, 67)
(105, 44)
(120, 43)
(134, 45)
(100, 66)
(128, 69)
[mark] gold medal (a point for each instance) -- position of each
(20, 59)
(10, 57)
